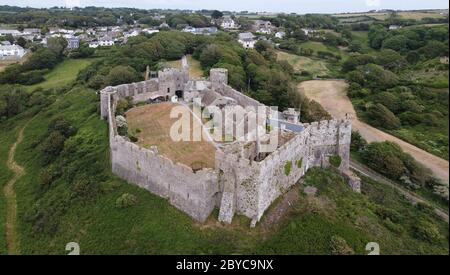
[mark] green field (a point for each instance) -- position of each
(320, 47)
(303, 63)
(63, 74)
(416, 15)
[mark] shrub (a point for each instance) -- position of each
(380, 116)
(427, 231)
(335, 160)
(385, 157)
(287, 168)
(299, 163)
(358, 143)
(126, 200)
(339, 246)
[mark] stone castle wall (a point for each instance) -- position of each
(192, 192)
(250, 187)
(239, 184)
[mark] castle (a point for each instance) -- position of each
(244, 181)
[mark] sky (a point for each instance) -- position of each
(297, 6)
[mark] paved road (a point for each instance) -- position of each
(414, 198)
(331, 94)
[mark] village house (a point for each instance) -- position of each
(106, 41)
(262, 26)
(280, 35)
(11, 32)
(204, 31)
(73, 43)
(247, 40)
(12, 51)
(394, 27)
(228, 23)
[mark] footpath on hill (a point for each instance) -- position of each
(331, 94)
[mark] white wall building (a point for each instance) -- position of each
(247, 40)
(228, 23)
(12, 51)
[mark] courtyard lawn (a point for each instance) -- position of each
(303, 63)
(152, 125)
(63, 74)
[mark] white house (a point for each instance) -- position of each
(12, 32)
(247, 40)
(308, 31)
(394, 27)
(280, 35)
(228, 23)
(150, 31)
(12, 51)
(93, 45)
(106, 41)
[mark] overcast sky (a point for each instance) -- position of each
(297, 6)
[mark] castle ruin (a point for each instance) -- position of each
(244, 180)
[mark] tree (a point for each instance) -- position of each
(122, 74)
(391, 60)
(385, 157)
(355, 46)
(217, 14)
(57, 44)
(380, 116)
(396, 43)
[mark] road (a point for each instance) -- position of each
(331, 94)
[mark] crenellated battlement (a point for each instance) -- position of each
(243, 181)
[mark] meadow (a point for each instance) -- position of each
(63, 74)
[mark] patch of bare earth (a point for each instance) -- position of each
(276, 214)
(332, 95)
(152, 124)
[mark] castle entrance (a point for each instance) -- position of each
(179, 94)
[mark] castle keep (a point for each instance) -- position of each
(244, 181)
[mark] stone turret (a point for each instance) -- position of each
(218, 77)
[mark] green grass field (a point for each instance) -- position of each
(303, 63)
(63, 74)
(320, 47)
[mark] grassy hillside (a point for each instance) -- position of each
(62, 74)
(84, 210)
(302, 63)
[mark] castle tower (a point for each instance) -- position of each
(218, 77)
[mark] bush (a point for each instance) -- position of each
(427, 230)
(358, 143)
(339, 246)
(335, 160)
(287, 168)
(380, 116)
(126, 200)
(385, 157)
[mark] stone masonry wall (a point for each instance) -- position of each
(257, 184)
(193, 193)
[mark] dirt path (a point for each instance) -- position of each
(12, 241)
(331, 94)
(413, 198)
